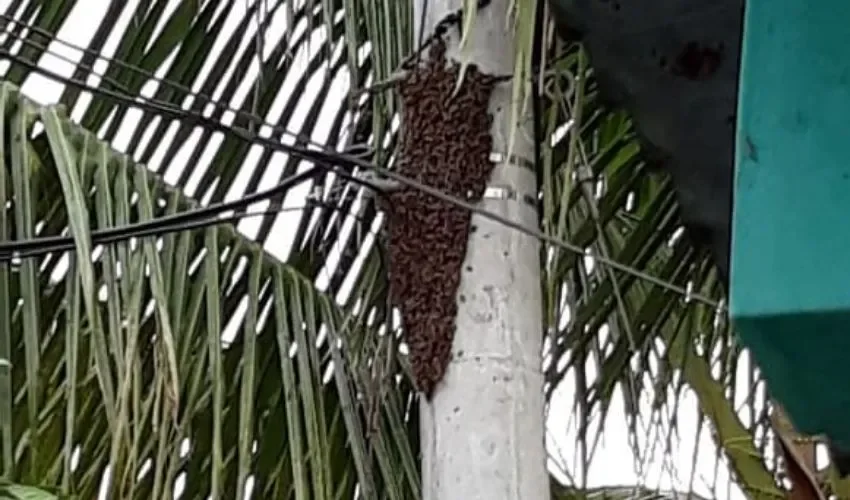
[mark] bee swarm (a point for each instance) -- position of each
(445, 143)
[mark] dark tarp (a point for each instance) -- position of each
(674, 67)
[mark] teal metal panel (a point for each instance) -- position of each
(790, 276)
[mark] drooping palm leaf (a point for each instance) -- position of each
(150, 369)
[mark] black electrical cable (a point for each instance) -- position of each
(205, 99)
(198, 119)
(450, 20)
(187, 220)
(66, 243)
(190, 219)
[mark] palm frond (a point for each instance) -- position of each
(148, 372)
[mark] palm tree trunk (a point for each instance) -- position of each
(482, 428)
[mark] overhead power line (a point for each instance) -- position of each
(202, 98)
(341, 164)
(187, 220)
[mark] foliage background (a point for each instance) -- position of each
(119, 361)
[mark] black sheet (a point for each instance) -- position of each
(674, 66)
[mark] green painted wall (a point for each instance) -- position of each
(790, 277)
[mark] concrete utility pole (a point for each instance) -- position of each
(483, 431)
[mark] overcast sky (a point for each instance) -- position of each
(612, 463)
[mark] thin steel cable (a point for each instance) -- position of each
(450, 20)
(203, 98)
(353, 161)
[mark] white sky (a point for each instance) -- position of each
(612, 462)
